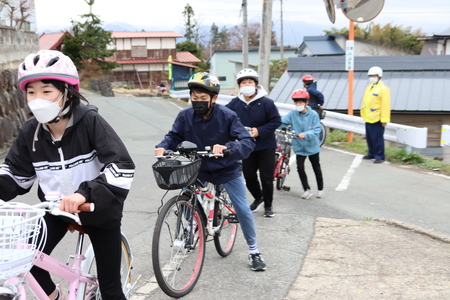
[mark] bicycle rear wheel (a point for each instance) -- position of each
(283, 171)
(225, 237)
(92, 291)
(322, 134)
(178, 252)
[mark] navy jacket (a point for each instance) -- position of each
(315, 97)
(222, 127)
(261, 113)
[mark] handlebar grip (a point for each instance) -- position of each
(227, 152)
(87, 206)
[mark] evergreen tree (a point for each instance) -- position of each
(189, 22)
(88, 45)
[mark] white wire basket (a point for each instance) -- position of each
(20, 226)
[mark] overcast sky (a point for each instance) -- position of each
(432, 16)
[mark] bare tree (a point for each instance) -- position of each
(18, 11)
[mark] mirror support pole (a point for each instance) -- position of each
(351, 37)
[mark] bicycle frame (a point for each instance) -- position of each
(207, 203)
(75, 275)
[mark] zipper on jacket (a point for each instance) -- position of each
(65, 180)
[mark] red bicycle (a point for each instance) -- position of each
(282, 155)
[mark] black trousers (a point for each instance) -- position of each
(314, 159)
(375, 140)
(264, 161)
(107, 249)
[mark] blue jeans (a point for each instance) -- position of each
(238, 195)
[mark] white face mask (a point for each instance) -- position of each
(300, 108)
(44, 110)
(247, 90)
(373, 79)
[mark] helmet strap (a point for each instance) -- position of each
(62, 111)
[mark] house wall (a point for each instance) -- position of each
(151, 43)
(368, 49)
(15, 45)
(223, 64)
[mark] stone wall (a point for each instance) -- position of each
(14, 110)
(103, 86)
(15, 45)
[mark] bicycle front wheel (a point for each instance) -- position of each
(178, 252)
(283, 170)
(225, 236)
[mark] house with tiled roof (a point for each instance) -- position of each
(144, 59)
(51, 41)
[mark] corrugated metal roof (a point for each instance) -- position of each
(187, 57)
(145, 34)
(417, 83)
(50, 41)
(148, 61)
(321, 45)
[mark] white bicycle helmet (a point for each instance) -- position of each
(375, 71)
(247, 73)
(48, 64)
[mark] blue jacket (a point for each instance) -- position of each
(307, 123)
(222, 127)
(315, 97)
(260, 112)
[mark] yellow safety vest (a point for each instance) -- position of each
(376, 104)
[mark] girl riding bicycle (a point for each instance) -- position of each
(70, 148)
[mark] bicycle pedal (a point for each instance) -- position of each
(232, 218)
(286, 188)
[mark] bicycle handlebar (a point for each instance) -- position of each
(205, 153)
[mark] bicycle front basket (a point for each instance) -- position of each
(172, 174)
(20, 226)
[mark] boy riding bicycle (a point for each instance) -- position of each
(209, 124)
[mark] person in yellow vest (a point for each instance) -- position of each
(376, 112)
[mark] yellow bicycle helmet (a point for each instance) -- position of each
(206, 81)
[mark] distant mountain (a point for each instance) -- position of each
(119, 26)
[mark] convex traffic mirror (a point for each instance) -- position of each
(361, 10)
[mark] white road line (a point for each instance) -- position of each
(177, 106)
(345, 182)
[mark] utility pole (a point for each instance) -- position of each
(264, 44)
(281, 29)
(245, 35)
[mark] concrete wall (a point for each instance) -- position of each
(15, 45)
(14, 110)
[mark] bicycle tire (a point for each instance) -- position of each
(322, 134)
(284, 167)
(93, 291)
(176, 267)
(225, 237)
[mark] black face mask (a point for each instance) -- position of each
(201, 107)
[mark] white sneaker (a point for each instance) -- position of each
(319, 194)
(307, 194)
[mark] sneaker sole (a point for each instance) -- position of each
(269, 216)
(258, 207)
(260, 269)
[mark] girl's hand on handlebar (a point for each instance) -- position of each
(71, 203)
(159, 151)
(218, 149)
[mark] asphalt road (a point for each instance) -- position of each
(354, 189)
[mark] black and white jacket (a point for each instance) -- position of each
(89, 159)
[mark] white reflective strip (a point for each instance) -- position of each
(23, 182)
(121, 178)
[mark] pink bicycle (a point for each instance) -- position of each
(20, 249)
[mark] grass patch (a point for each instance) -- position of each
(338, 138)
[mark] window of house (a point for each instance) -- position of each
(138, 51)
(222, 78)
